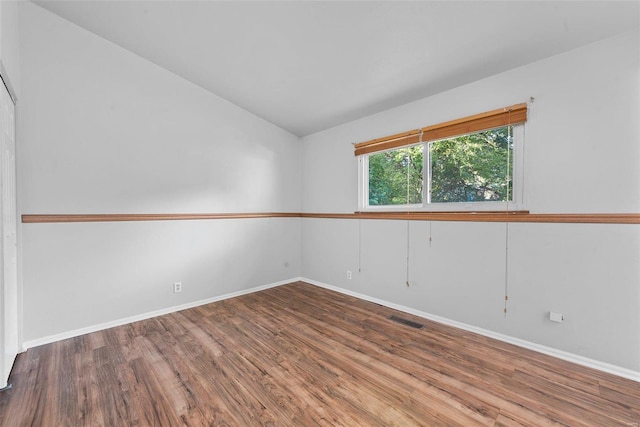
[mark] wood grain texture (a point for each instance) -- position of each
(48, 218)
(514, 114)
(387, 142)
(298, 355)
(499, 216)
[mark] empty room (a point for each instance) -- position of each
(331, 213)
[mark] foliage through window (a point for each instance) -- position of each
(396, 177)
(474, 168)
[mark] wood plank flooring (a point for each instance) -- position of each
(298, 355)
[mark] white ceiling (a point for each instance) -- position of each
(310, 65)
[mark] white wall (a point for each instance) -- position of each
(104, 131)
(582, 154)
(9, 42)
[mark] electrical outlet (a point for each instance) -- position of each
(349, 274)
(177, 287)
(556, 317)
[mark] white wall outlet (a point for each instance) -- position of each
(177, 287)
(556, 317)
(349, 276)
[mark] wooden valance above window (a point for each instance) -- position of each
(388, 142)
(513, 115)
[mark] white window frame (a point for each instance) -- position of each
(426, 206)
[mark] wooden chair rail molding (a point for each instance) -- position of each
(496, 216)
(30, 219)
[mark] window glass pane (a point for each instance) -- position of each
(472, 168)
(395, 177)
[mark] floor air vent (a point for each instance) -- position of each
(406, 322)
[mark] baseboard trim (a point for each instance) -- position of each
(550, 351)
(126, 320)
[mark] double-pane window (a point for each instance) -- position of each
(479, 170)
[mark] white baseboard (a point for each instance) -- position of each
(550, 351)
(123, 321)
(560, 354)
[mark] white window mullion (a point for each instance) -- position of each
(426, 156)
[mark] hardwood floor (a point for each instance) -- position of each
(298, 355)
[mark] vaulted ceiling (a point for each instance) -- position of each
(310, 65)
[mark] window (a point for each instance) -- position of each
(442, 168)
(396, 177)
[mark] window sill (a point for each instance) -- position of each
(474, 216)
(449, 207)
